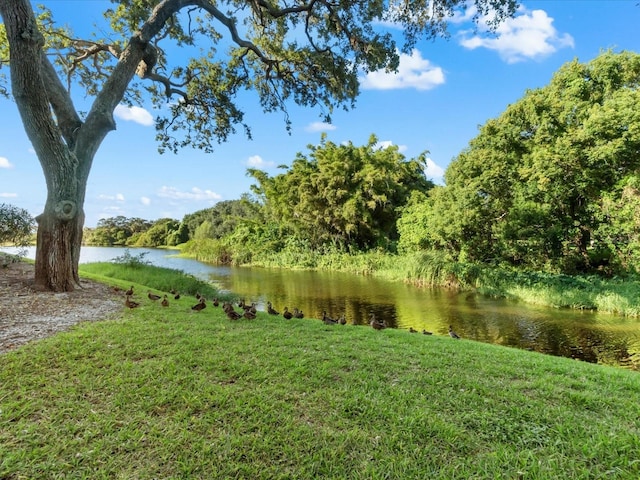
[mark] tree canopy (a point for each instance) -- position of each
(539, 185)
(191, 57)
(343, 194)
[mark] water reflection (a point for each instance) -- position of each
(587, 336)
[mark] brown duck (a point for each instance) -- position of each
(130, 303)
(153, 296)
(271, 310)
(453, 334)
(232, 314)
(200, 305)
(297, 313)
(375, 324)
(165, 302)
(327, 319)
(287, 314)
(129, 292)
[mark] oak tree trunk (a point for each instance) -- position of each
(58, 245)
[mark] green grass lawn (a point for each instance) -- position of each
(169, 393)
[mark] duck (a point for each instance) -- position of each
(375, 324)
(342, 320)
(153, 296)
(129, 292)
(173, 291)
(198, 295)
(425, 332)
(232, 314)
(200, 305)
(165, 302)
(216, 302)
(297, 313)
(453, 334)
(327, 319)
(176, 296)
(271, 310)
(249, 314)
(412, 330)
(130, 303)
(287, 314)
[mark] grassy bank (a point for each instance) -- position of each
(169, 393)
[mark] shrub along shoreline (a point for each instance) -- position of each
(163, 392)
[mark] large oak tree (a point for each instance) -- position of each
(306, 51)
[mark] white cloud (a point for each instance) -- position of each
(433, 171)
(113, 210)
(5, 163)
(118, 197)
(413, 72)
(256, 161)
(145, 200)
(134, 114)
(529, 35)
(195, 194)
(320, 127)
(388, 143)
(8, 195)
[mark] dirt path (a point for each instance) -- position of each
(27, 314)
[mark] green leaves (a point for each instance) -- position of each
(531, 187)
(16, 225)
(342, 193)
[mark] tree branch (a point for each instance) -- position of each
(231, 26)
(68, 120)
(100, 118)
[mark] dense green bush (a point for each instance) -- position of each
(16, 225)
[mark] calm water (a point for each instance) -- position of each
(593, 337)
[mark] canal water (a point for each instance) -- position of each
(588, 336)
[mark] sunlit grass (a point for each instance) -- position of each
(146, 276)
(169, 393)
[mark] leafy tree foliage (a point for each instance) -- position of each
(16, 225)
(221, 219)
(159, 234)
(537, 186)
(118, 231)
(343, 194)
(307, 52)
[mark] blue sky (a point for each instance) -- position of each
(442, 93)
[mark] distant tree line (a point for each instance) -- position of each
(552, 184)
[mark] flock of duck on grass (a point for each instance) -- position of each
(249, 311)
